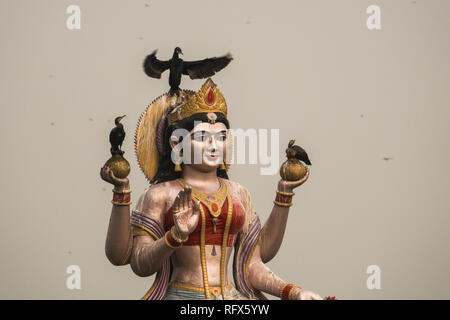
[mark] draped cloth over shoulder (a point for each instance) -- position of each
(243, 252)
(246, 243)
(153, 228)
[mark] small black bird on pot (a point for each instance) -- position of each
(294, 151)
(116, 137)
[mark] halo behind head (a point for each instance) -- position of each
(145, 144)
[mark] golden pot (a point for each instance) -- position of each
(119, 165)
(292, 170)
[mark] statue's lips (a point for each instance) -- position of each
(211, 156)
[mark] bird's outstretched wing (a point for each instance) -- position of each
(154, 67)
(206, 67)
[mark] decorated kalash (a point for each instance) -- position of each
(186, 223)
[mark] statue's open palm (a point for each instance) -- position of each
(185, 213)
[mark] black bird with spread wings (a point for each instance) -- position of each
(194, 69)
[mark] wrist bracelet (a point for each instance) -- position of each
(284, 193)
(283, 199)
(122, 191)
(286, 291)
(170, 241)
(281, 204)
(175, 237)
(292, 290)
(121, 203)
(122, 199)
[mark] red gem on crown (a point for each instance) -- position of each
(209, 98)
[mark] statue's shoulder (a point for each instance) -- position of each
(158, 198)
(166, 186)
(241, 193)
(238, 190)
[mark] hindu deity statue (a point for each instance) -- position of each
(185, 225)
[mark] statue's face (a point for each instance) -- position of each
(208, 146)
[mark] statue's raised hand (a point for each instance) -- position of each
(185, 213)
(288, 186)
(108, 175)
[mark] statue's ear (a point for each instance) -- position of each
(174, 141)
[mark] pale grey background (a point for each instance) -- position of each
(350, 96)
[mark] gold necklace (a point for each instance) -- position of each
(213, 201)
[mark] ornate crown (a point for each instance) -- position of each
(207, 99)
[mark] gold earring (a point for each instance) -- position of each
(178, 163)
(223, 165)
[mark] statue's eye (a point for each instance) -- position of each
(199, 137)
(221, 137)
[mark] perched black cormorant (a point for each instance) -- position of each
(116, 137)
(195, 69)
(294, 151)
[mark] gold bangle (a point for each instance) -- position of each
(282, 289)
(121, 192)
(167, 242)
(281, 204)
(292, 290)
(176, 238)
(121, 203)
(283, 193)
